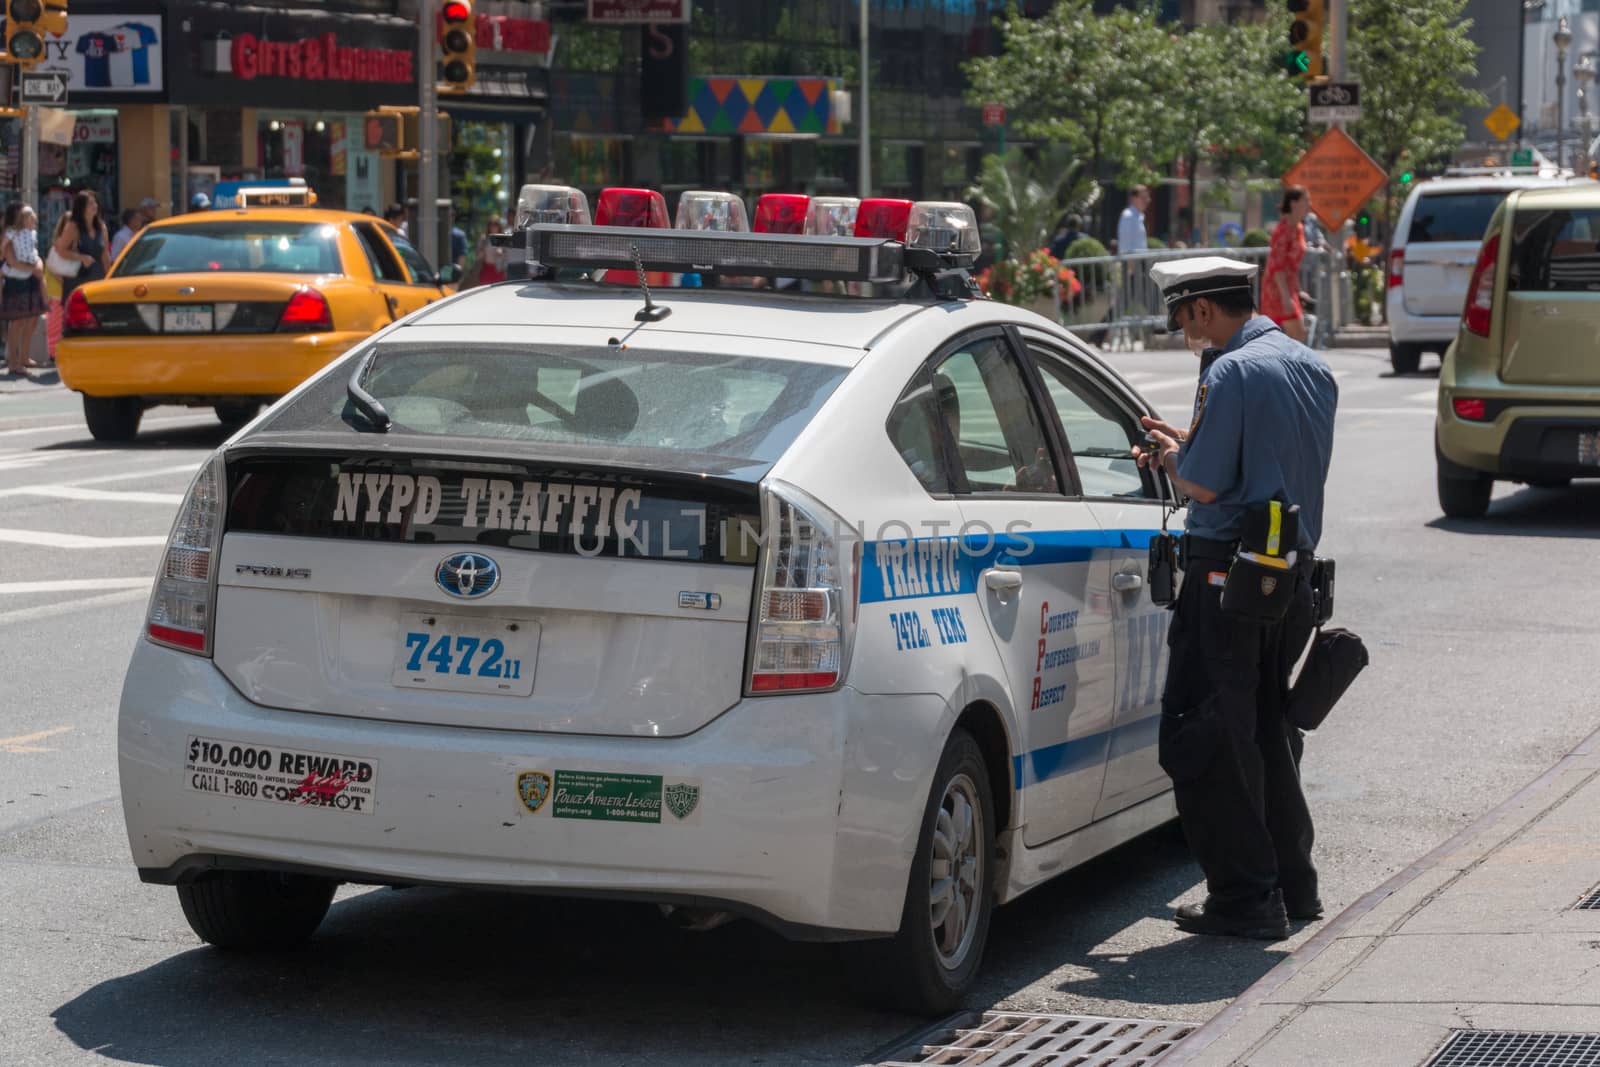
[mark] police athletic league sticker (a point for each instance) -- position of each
(236, 770)
(608, 796)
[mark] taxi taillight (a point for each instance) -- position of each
(307, 310)
(1479, 314)
(79, 317)
(185, 593)
(803, 621)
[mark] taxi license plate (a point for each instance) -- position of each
(1589, 448)
(459, 654)
(193, 318)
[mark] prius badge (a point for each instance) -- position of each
(468, 575)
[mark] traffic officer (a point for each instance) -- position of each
(1262, 431)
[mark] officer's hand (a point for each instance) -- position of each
(1165, 427)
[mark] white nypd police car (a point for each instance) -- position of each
(817, 608)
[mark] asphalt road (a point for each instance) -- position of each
(1482, 636)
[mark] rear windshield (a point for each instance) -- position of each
(734, 408)
(1555, 251)
(234, 245)
(1453, 216)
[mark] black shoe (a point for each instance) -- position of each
(1303, 908)
(1267, 923)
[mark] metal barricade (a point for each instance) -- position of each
(1121, 309)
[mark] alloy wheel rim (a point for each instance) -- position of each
(956, 872)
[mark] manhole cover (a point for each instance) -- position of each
(1590, 902)
(1025, 1039)
(1511, 1048)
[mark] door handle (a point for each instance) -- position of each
(1002, 582)
(394, 306)
(1127, 582)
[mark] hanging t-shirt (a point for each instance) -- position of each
(97, 50)
(136, 38)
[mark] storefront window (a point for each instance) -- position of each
(89, 161)
(480, 175)
(315, 147)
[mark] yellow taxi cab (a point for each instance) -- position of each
(230, 309)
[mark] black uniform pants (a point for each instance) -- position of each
(1232, 754)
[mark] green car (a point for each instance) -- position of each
(1519, 390)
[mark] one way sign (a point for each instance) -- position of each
(44, 87)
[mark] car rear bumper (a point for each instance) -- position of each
(1408, 328)
(1522, 439)
(806, 816)
(211, 365)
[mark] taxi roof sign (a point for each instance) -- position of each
(264, 192)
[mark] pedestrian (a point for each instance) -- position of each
(1131, 235)
(458, 249)
(82, 237)
(22, 288)
(132, 223)
(1280, 283)
(395, 215)
(1067, 234)
(1262, 431)
(489, 262)
(199, 202)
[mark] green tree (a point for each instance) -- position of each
(1412, 58)
(1079, 79)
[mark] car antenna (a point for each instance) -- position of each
(365, 402)
(651, 312)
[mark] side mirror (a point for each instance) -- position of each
(449, 275)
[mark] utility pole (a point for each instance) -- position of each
(30, 154)
(866, 108)
(1336, 50)
(427, 237)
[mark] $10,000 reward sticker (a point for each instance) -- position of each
(239, 770)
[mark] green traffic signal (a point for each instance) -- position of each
(1405, 179)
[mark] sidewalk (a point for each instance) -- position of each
(1482, 934)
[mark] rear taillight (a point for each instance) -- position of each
(804, 616)
(79, 316)
(1397, 268)
(186, 585)
(1473, 409)
(306, 310)
(1479, 314)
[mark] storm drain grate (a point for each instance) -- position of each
(1590, 902)
(1511, 1048)
(1023, 1039)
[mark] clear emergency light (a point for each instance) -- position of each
(944, 227)
(702, 210)
(831, 216)
(559, 204)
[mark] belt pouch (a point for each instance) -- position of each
(1258, 588)
(1336, 657)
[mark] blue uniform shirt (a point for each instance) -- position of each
(1263, 430)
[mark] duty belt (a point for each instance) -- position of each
(1207, 548)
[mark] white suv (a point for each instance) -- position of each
(1431, 257)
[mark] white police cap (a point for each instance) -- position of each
(1185, 279)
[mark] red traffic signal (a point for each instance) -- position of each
(458, 49)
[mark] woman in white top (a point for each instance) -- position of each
(22, 289)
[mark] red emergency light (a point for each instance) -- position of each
(781, 213)
(632, 207)
(882, 217)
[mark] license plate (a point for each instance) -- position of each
(193, 318)
(459, 654)
(1589, 448)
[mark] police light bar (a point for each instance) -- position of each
(862, 259)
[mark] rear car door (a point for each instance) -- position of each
(403, 286)
(1442, 247)
(1044, 597)
(1100, 427)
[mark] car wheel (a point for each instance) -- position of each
(1463, 493)
(235, 413)
(1405, 359)
(113, 418)
(928, 967)
(253, 910)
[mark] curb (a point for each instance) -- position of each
(1196, 1043)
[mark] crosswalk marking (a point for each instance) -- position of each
(73, 585)
(51, 539)
(78, 492)
(47, 611)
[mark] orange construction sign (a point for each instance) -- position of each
(1339, 175)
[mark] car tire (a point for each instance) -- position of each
(1463, 493)
(250, 911)
(113, 418)
(1405, 359)
(235, 413)
(928, 967)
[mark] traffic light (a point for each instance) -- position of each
(27, 21)
(1305, 37)
(458, 47)
(384, 133)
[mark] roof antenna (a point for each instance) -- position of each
(650, 312)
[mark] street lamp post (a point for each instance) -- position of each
(1584, 72)
(1563, 39)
